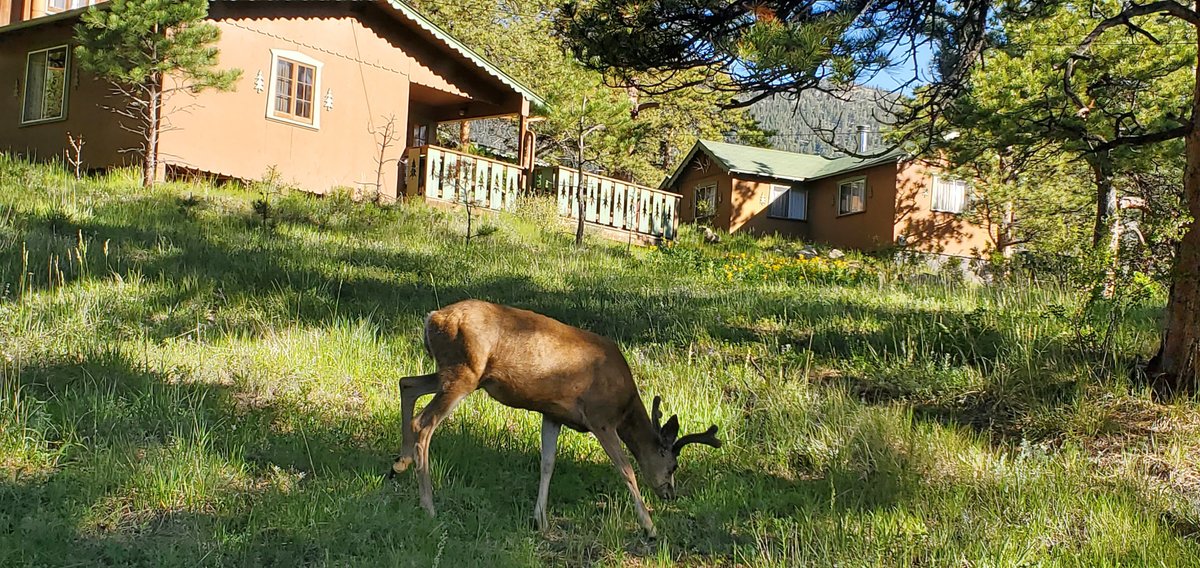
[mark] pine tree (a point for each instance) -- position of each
(149, 50)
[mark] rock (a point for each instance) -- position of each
(836, 254)
(711, 237)
(809, 252)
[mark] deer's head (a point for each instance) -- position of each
(659, 467)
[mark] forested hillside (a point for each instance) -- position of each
(796, 122)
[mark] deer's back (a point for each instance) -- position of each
(527, 360)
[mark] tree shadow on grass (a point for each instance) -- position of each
(159, 470)
(306, 488)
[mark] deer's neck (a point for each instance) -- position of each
(638, 433)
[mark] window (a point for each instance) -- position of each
(788, 203)
(420, 135)
(706, 202)
(45, 85)
(54, 6)
(949, 195)
(295, 82)
(852, 196)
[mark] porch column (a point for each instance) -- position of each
(524, 160)
(522, 147)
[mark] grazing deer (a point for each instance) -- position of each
(526, 360)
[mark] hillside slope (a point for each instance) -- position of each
(205, 376)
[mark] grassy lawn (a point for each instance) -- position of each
(182, 385)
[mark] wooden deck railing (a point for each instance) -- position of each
(612, 203)
(441, 174)
(445, 175)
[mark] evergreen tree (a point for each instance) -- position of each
(647, 129)
(149, 50)
(773, 46)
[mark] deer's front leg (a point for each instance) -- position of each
(550, 430)
(612, 446)
(451, 393)
(411, 389)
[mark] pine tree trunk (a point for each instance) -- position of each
(1106, 200)
(153, 123)
(1176, 367)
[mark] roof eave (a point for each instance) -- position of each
(769, 175)
(50, 19)
(457, 46)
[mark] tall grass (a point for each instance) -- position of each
(187, 382)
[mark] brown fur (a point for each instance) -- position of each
(526, 360)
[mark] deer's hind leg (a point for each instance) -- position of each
(411, 389)
(455, 384)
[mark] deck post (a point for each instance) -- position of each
(524, 151)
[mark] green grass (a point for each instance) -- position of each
(181, 385)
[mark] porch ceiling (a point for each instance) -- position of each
(442, 106)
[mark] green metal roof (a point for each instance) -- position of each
(791, 166)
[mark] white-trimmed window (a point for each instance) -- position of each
(295, 84)
(46, 76)
(852, 196)
(788, 202)
(949, 195)
(56, 6)
(706, 202)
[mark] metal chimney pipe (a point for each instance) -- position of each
(861, 130)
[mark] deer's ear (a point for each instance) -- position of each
(670, 431)
(656, 413)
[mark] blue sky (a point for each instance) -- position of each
(902, 72)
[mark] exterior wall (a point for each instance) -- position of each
(752, 200)
(702, 172)
(929, 231)
(230, 134)
(84, 115)
(898, 208)
(374, 66)
(868, 230)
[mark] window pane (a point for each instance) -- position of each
(35, 83)
(56, 83)
(57, 5)
(305, 77)
(706, 201)
(779, 201)
(852, 197)
(283, 87)
(949, 196)
(798, 204)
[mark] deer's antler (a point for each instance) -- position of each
(708, 438)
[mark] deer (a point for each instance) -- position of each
(574, 378)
